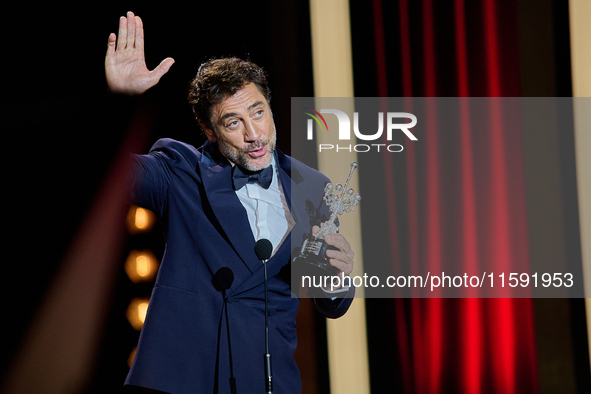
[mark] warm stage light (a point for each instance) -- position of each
(140, 220)
(131, 357)
(136, 312)
(141, 266)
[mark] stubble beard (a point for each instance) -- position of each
(240, 156)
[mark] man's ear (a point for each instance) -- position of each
(208, 132)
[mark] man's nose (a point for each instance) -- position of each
(251, 133)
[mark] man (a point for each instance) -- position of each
(199, 336)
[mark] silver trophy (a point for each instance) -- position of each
(312, 259)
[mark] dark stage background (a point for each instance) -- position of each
(62, 134)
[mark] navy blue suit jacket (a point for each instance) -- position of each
(183, 345)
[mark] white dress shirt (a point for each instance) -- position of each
(268, 214)
(267, 210)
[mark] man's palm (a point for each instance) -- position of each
(125, 64)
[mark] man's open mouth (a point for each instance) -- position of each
(258, 152)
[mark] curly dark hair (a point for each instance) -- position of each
(217, 79)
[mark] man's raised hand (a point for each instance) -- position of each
(125, 64)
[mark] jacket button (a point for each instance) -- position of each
(272, 311)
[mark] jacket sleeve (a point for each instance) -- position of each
(151, 179)
(334, 307)
(150, 182)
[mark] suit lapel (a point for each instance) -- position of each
(293, 185)
(291, 180)
(216, 174)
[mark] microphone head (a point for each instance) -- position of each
(223, 278)
(263, 249)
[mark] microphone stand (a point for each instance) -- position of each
(263, 249)
(268, 373)
(222, 280)
(232, 378)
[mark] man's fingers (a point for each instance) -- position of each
(337, 255)
(130, 34)
(159, 71)
(139, 33)
(343, 258)
(130, 30)
(122, 34)
(339, 241)
(111, 43)
(340, 260)
(347, 257)
(163, 67)
(341, 266)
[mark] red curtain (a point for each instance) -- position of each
(458, 345)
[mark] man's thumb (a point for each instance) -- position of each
(163, 67)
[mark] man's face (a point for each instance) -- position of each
(244, 128)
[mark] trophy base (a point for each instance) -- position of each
(312, 260)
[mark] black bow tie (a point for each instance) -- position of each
(241, 177)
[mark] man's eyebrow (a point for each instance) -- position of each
(228, 115)
(250, 107)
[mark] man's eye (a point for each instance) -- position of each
(233, 124)
(258, 113)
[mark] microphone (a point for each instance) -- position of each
(263, 249)
(222, 280)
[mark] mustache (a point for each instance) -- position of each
(258, 144)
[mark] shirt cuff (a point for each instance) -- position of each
(333, 295)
